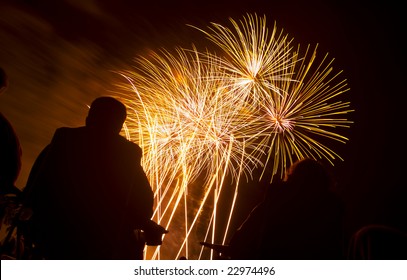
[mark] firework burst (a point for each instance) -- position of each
(305, 111)
(291, 96)
(205, 120)
(188, 125)
(253, 57)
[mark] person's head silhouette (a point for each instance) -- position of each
(106, 114)
(310, 173)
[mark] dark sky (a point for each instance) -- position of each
(59, 55)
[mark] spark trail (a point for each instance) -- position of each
(205, 121)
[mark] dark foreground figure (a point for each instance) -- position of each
(10, 148)
(10, 166)
(300, 219)
(88, 191)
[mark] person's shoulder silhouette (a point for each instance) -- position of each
(10, 148)
(88, 190)
(301, 218)
(316, 211)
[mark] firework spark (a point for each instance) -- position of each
(295, 121)
(205, 121)
(293, 99)
(188, 126)
(253, 58)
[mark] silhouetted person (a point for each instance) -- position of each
(378, 242)
(300, 218)
(10, 149)
(88, 191)
(10, 166)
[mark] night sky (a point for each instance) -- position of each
(60, 55)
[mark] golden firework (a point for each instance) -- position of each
(207, 119)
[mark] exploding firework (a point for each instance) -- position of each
(252, 57)
(303, 112)
(190, 128)
(294, 98)
(206, 120)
